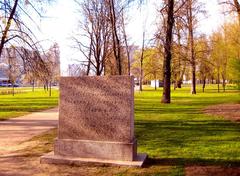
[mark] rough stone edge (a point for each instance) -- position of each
(50, 158)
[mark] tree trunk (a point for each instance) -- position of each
(237, 6)
(50, 88)
(88, 68)
(180, 75)
(47, 85)
(33, 85)
(155, 79)
(193, 88)
(126, 45)
(166, 97)
(116, 42)
(141, 77)
(224, 83)
(179, 83)
(175, 81)
(175, 84)
(13, 93)
(141, 61)
(204, 84)
(98, 70)
(218, 80)
(191, 47)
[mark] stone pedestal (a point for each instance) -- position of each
(96, 122)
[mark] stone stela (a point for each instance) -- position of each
(96, 122)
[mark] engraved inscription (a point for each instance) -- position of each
(96, 108)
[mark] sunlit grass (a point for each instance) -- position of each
(173, 135)
(26, 102)
(181, 133)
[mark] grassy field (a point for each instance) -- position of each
(173, 135)
(181, 134)
(26, 102)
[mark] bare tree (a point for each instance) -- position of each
(237, 8)
(191, 43)
(169, 13)
(106, 42)
(35, 68)
(204, 60)
(15, 69)
(179, 62)
(53, 64)
(21, 63)
(234, 6)
(17, 32)
(116, 44)
(193, 9)
(96, 47)
(127, 48)
(8, 25)
(153, 65)
(76, 70)
(141, 60)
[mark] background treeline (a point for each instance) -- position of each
(217, 59)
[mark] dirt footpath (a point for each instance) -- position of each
(17, 130)
(228, 111)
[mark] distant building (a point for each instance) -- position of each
(156, 83)
(15, 64)
(11, 66)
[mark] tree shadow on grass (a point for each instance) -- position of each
(191, 162)
(189, 142)
(198, 166)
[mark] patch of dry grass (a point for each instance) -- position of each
(228, 111)
(26, 162)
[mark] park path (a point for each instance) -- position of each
(17, 130)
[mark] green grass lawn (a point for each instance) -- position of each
(180, 134)
(26, 102)
(173, 135)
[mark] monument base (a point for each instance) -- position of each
(96, 149)
(76, 161)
